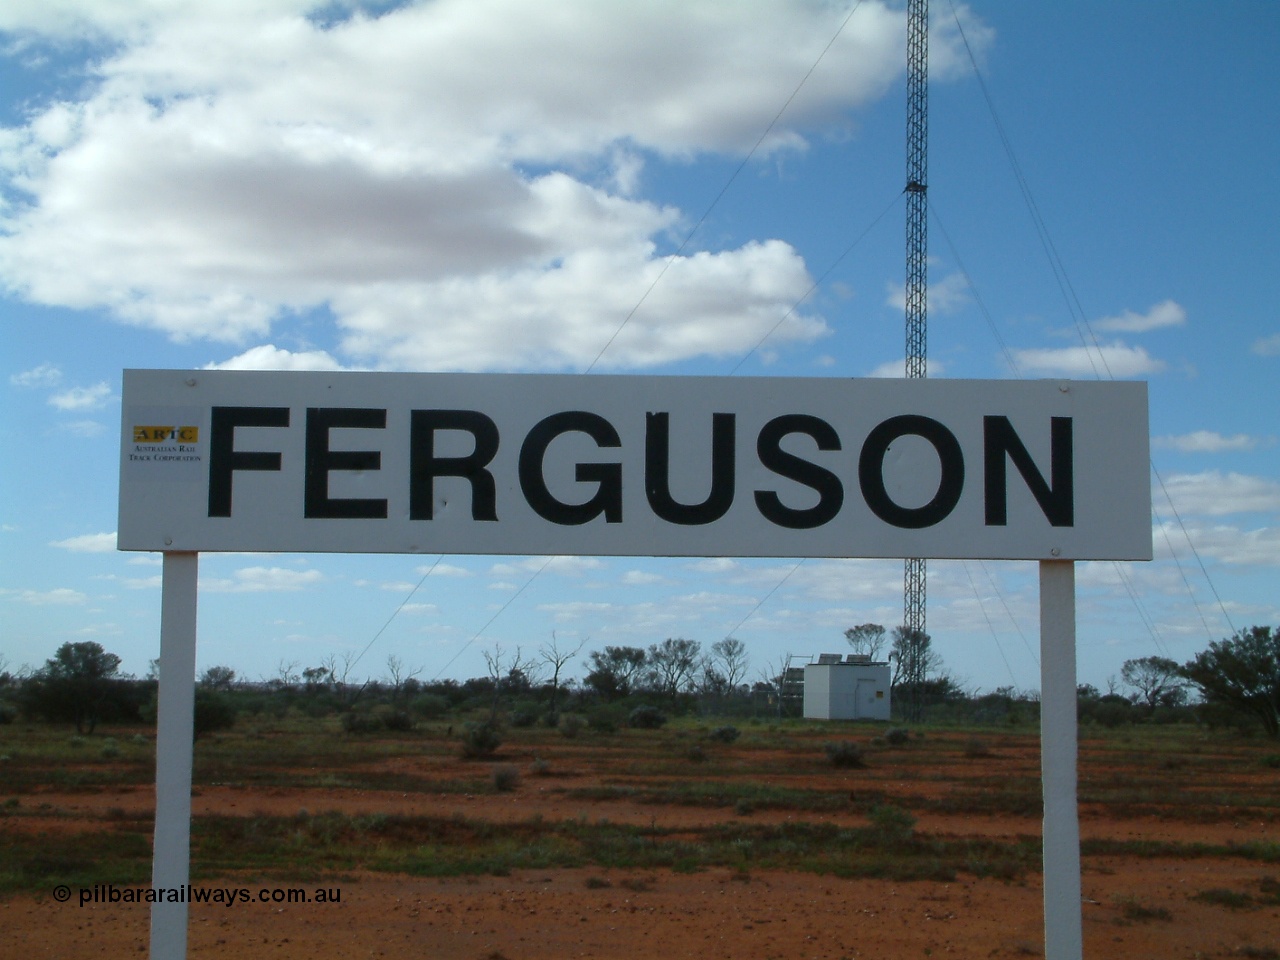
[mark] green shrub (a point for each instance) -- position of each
(213, 712)
(480, 740)
(1133, 909)
(361, 722)
(1221, 897)
(892, 821)
(646, 718)
(844, 753)
(522, 718)
(8, 714)
(571, 725)
(605, 719)
(1112, 711)
(397, 721)
(315, 707)
(1270, 891)
(505, 778)
(430, 706)
(110, 750)
(724, 734)
(897, 736)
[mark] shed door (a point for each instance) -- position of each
(865, 698)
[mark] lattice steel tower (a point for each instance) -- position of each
(914, 575)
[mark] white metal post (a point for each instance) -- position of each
(171, 858)
(1063, 932)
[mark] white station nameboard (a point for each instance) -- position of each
(633, 465)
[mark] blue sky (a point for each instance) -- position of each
(493, 186)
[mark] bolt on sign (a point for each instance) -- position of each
(633, 465)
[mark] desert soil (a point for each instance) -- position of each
(664, 915)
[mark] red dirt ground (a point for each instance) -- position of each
(660, 915)
(555, 916)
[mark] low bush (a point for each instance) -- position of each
(360, 722)
(844, 753)
(1133, 909)
(480, 740)
(724, 734)
(604, 719)
(505, 778)
(1110, 711)
(397, 721)
(571, 725)
(897, 736)
(892, 821)
(522, 718)
(430, 706)
(646, 718)
(1221, 897)
(213, 712)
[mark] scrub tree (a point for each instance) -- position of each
(1156, 680)
(77, 684)
(615, 671)
(866, 639)
(1242, 673)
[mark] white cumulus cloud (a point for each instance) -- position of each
(945, 295)
(88, 543)
(270, 357)
(444, 570)
(455, 183)
(45, 375)
(1205, 441)
(263, 580)
(1214, 493)
(57, 597)
(1228, 544)
(1116, 359)
(1164, 314)
(897, 369)
(83, 398)
(1267, 346)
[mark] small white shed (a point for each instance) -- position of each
(855, 688)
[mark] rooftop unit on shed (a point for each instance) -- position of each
(854, 688)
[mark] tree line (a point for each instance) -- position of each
(1234, 682)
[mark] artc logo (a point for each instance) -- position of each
(184, 435)
(159, 448)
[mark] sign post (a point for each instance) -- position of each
(175, 717)
(1051, 471)
(1063, 930)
